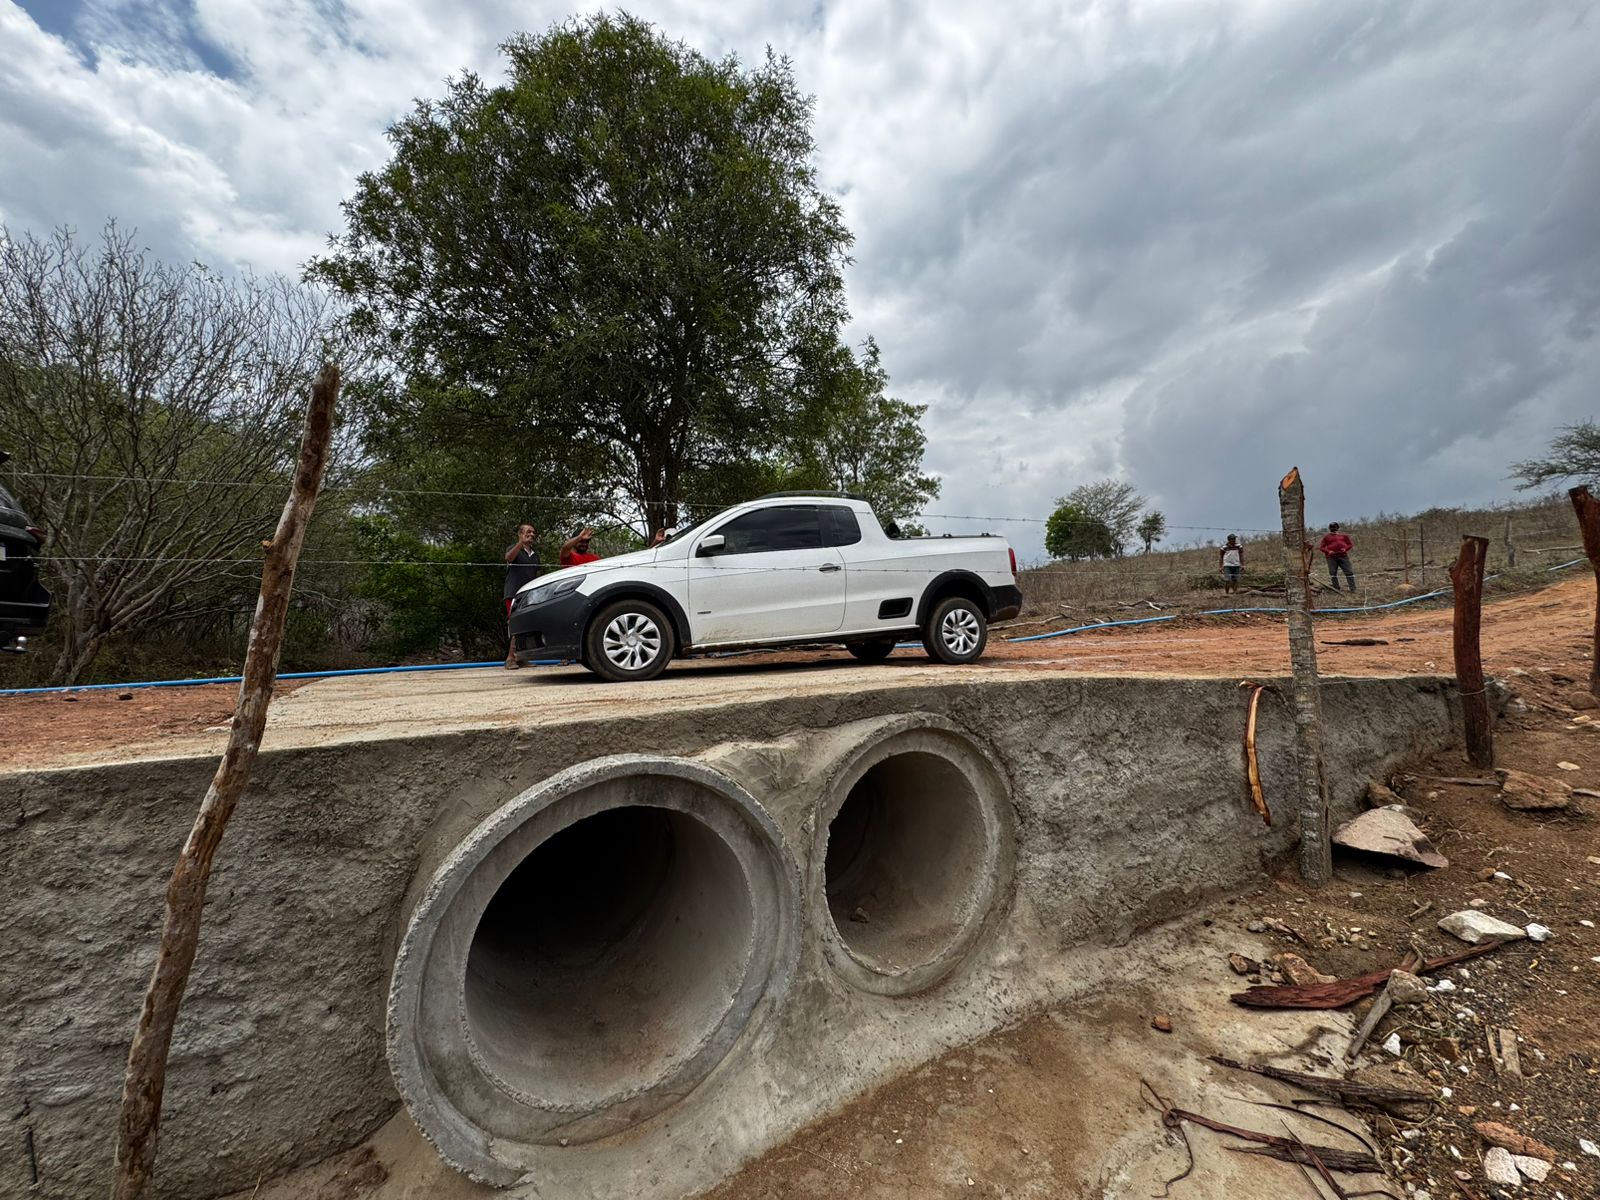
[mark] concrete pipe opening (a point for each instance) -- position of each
(608, 956)
(917, 851)
(586, 957)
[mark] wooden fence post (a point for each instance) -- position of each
(1316, 852)
(146, 1078)
(1588, 510)
(1466, 578)
(1511, 545)
(1422, 556)
(1405, 552)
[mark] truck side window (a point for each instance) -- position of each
(840, 527)
(789, 527)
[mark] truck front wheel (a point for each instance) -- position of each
(956, 631)
(628, 640)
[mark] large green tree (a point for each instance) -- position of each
(608, 279)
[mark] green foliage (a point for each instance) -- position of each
(1073, 533)
(1113, 504)
(1152, 528)
(429, 607)
(613, 276)
(1574, 454)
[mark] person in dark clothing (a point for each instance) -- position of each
(1336, 546)
(522, 567)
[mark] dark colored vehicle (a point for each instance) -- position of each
(24, 602)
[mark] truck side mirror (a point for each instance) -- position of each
(710, 545)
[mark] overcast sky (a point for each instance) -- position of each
(1187, 243)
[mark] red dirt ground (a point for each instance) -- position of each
(1549, 629)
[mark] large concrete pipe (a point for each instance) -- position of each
(586, 956)
(915, 845)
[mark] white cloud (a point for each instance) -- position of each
(1190, 241)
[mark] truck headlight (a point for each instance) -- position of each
(547, 591)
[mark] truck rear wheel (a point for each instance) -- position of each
(628, 640)
(956, 631)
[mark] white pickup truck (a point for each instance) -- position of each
(791, 569)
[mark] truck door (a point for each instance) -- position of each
(772, 578)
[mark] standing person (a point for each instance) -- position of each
(522, 567)
(1231, 556)
(1336, 546)
(575, 550)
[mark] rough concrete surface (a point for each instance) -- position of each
(1128, 805)
(1095, 1044)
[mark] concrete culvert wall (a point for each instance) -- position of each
(586, 957)
(916, 854)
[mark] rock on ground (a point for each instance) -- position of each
(1529, 793)
(1474, 927)
(1499, 1167)
(1391, 833)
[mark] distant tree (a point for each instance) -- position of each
(123, 381)
(1111, 503)
(1072, 533)
(1152, 528)
(1574, 454)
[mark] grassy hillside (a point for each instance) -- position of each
(1537, 535)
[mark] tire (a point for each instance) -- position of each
(956, 631)
(871, 652)
(628, 640)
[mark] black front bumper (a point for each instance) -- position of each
(25, 617)
(1007, 603)
(552, 630)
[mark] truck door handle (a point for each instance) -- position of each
(829, 567)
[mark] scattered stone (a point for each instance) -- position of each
(1538, 932)
(1390, 833)
(1379, 796)
(860, 917)
(1534, 1168)
(1261, 926)
(129, 696)
(1444, 985)
(1298, 970)
(1507, 1138)
(1500, 875)
(1447, 1048)
(1162, 1022)
(1529, 793)
(1474, 928)
(1242, 965)
(1406, 988)
(1392, 1045)
(1500, 1167)
(1563, 765)
(1588, 1147)
(1593, 860)
(1580, 700)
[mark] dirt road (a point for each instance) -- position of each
(1547, 630)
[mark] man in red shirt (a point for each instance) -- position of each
(1336, 546)
(575, 550)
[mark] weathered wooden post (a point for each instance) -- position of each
(146, 1077)
(1511, 544)
(1588, 510)
(1316, 852)
(1466, 578)
(1405, 553)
